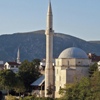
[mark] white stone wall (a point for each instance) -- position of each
(70, 75)
(60, 80)
(83, 62)
(7, 66)
(72, 62)
(65, 62)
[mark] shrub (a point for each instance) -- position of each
(11, 98)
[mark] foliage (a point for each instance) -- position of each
(36, 62)
(77, 91)
(20, 82)
(19, 87)
(95, 83)
(11, 97)
(85, 89)
(36, 98)
(28, 73)
(29, 98)
(7, 79)
(92, 69)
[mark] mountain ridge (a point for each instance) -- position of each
(32, 45)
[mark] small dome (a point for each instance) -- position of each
(73, 52)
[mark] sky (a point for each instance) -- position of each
(79, 18)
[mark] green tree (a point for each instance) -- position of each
(85, 89)
(92, 69)
(7, 79)
(77, 91)
(36, 62)
(28, 73)
(95, 82)
(19, 87)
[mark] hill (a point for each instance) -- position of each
(96, 42)
(32, 45)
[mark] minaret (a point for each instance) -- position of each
(49, 71)
(18, 56)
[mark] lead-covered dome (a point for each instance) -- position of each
(73, 52)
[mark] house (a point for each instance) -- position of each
(14, 66)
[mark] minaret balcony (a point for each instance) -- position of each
(49, 32)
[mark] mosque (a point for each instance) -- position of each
(72, 63)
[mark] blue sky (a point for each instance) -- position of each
(80, 18)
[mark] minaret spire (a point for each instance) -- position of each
(49, 16)
(49, 8)
(49, 70)
(18, 56)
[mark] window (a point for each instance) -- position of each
(12, 66)
(68, 63)
(16, 66)
(50, 29)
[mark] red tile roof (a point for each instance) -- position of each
(13, 63)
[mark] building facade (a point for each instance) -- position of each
(14, 66)
(72, 63)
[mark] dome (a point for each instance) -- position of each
(73, 52)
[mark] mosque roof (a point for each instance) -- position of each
(73, 52)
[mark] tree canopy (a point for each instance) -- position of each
(19, 87)
(86, 89)
(21, 81)
(93, 68)
(7, 79)
(28, 72)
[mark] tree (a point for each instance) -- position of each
(77, 91)
(95, 82)
(88, 88)
(28, 73)
(7, 79)
(19, 87)
(36, 62)
(92, 69)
